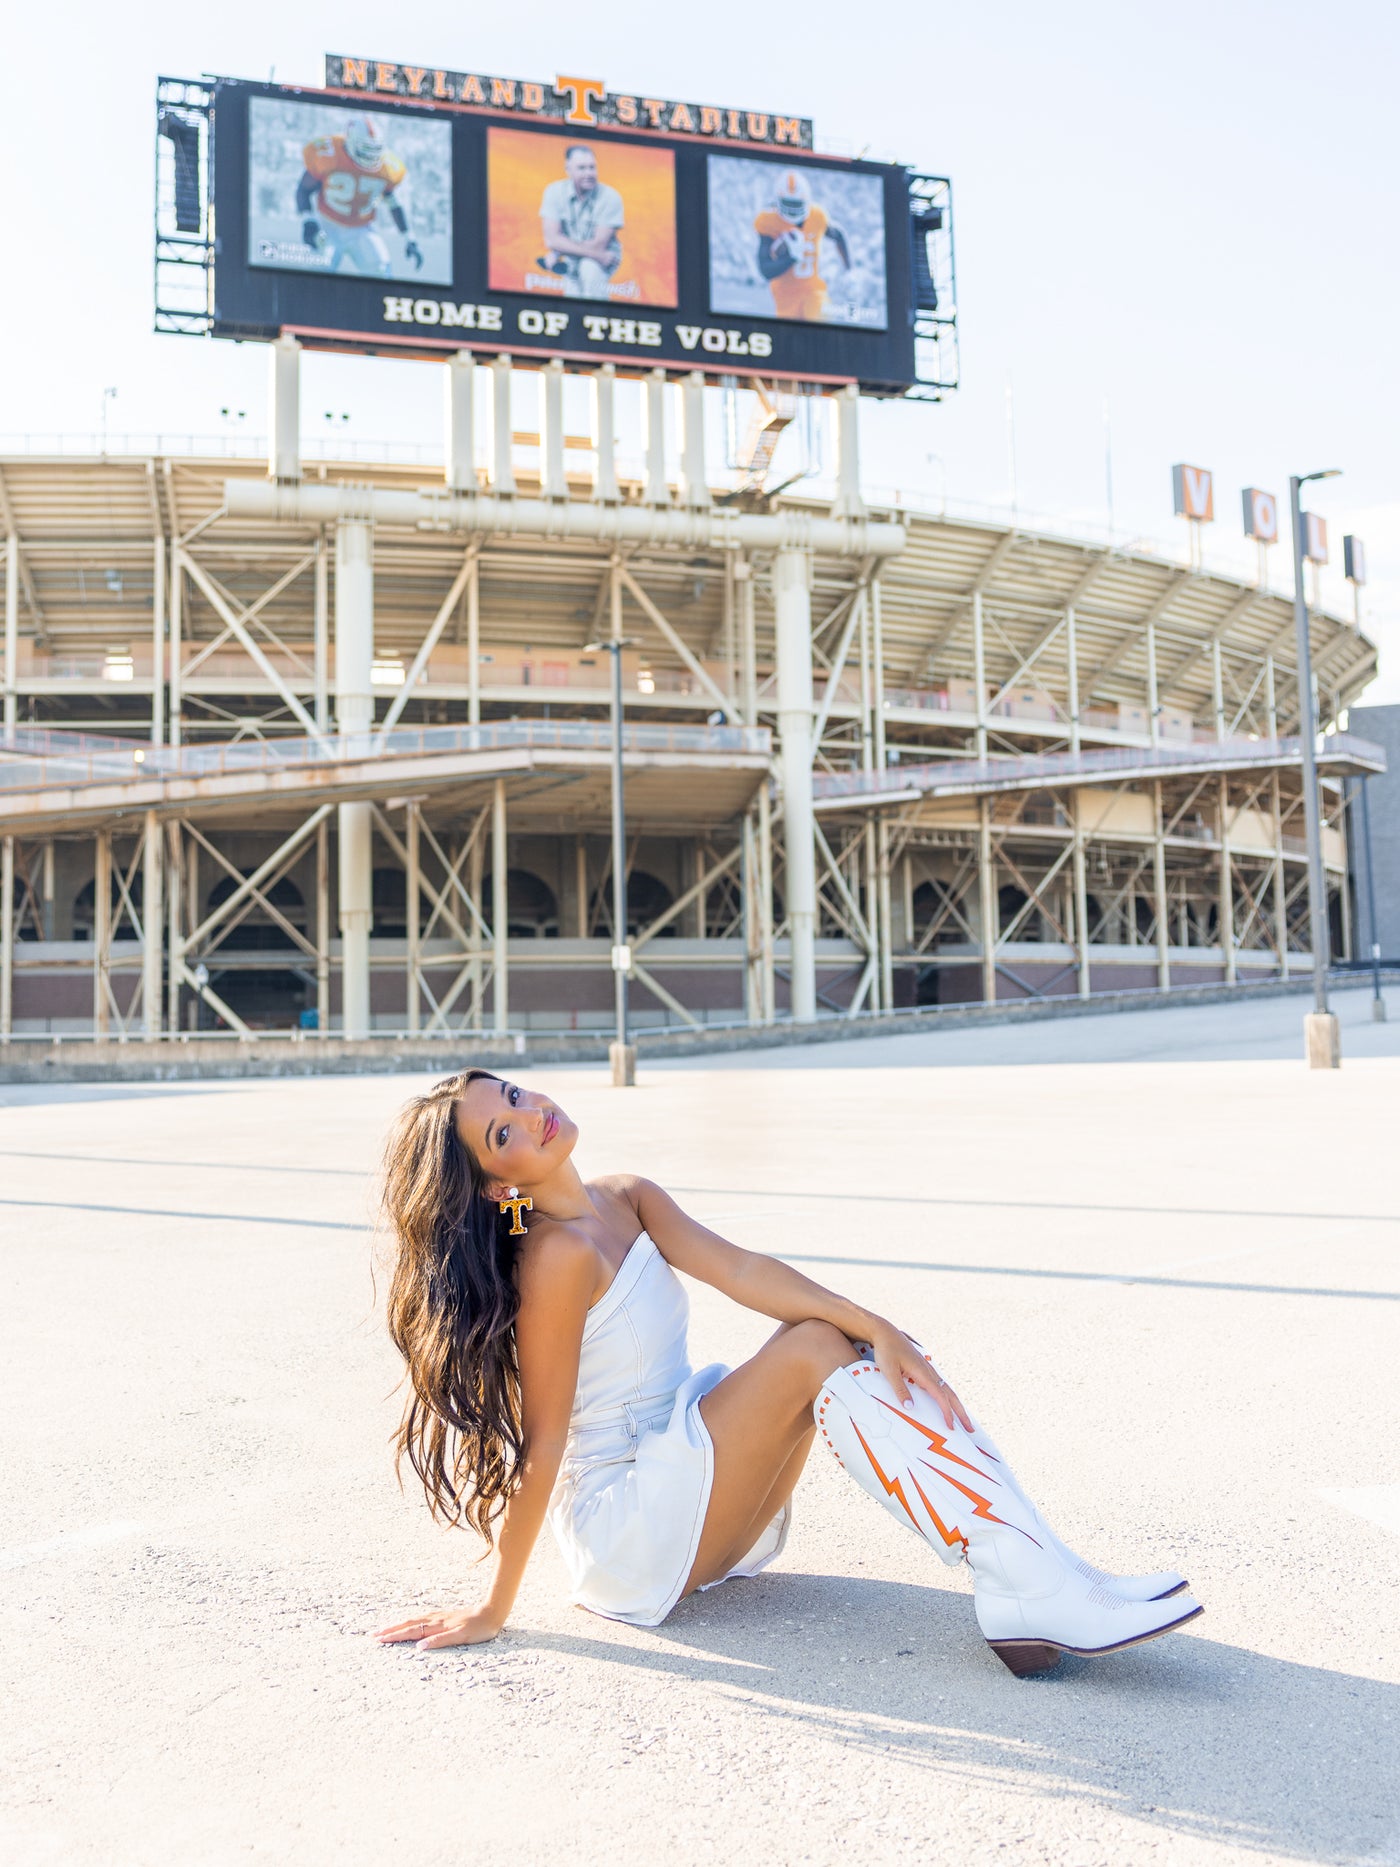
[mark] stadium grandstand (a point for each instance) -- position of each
(323, 745)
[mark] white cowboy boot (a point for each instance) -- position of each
(1032, 1604)
(1160, 1585)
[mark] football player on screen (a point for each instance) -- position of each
(349, 176)
(790, 234)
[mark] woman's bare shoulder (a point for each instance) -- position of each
(624, 1188)
(558, 1253)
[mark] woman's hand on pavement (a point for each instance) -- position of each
(451, 1627)
(904, 1365)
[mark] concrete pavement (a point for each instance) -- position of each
(1156, 1253)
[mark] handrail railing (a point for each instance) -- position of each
(40, 758)
(1022, 773)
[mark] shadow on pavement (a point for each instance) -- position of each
(1202, 1739)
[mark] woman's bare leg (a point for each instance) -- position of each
(760, 1421)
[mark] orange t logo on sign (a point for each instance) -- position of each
(583, 94)
(1193, 493)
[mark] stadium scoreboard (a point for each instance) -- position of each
(402, 209)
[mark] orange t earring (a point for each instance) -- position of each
(514, 1205)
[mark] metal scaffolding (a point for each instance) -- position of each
(893, 758)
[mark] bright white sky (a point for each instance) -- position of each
(1187, 214)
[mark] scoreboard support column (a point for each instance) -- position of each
(605, 486)
(284, 430)
(553, 482)
(460, 451)
(502, 470)
(792, 603)
(848, 503)
(656, 493)
(695, 489)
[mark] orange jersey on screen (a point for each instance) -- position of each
(800, 292)
(348, 194)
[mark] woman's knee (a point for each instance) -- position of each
(818, 1348)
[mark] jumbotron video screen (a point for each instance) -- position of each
(414, 227)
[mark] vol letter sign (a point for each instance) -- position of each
(1314, 538)
(1193, 493)
(1260, 516)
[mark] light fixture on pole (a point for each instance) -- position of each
(1321, 1037)
(622, 1054)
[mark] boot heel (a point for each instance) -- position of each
(1026, 1656)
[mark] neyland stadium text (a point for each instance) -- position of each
(584, 102)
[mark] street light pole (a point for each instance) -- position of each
(1320, 1033)
(622, 1054)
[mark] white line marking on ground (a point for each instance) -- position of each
(93, 1537)
(1376, 1503)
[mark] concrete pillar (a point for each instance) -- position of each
(882, 833)
(767, 976)
(321, 636)
(1154, 710)
(792, 605)
(46, 890)
(979, 673)
(656, 492)
(695, 489)
(502, 466)
(1279, 884)
(194, 898)
(11, 635)
(158, 643)
(323, 928)
(7, 937)
(605, 486)
(849, 504)
(355, 829)
(411, 918)
(986, 901)
(872, 914)
(877, 656)
(177, 648)
(500, 926)
(748, 881)
(748, 642)
(580, 887)
(474, 644)
(174, 897)
(459, 423)
(101, 931)
(1072, 677)
(284, 425)
(1217, 690)
(152, 926)
(553, 482)
(1081, 901)
(1159, 891)
(476, 864)
(354, 708)
(1225, 911)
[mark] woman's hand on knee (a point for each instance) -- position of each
(452, 1627)
(904, 1365)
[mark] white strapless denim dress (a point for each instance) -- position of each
(634, 1483)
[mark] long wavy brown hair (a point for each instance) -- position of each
(451, 1313)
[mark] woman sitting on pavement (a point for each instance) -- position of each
(549, 1376)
